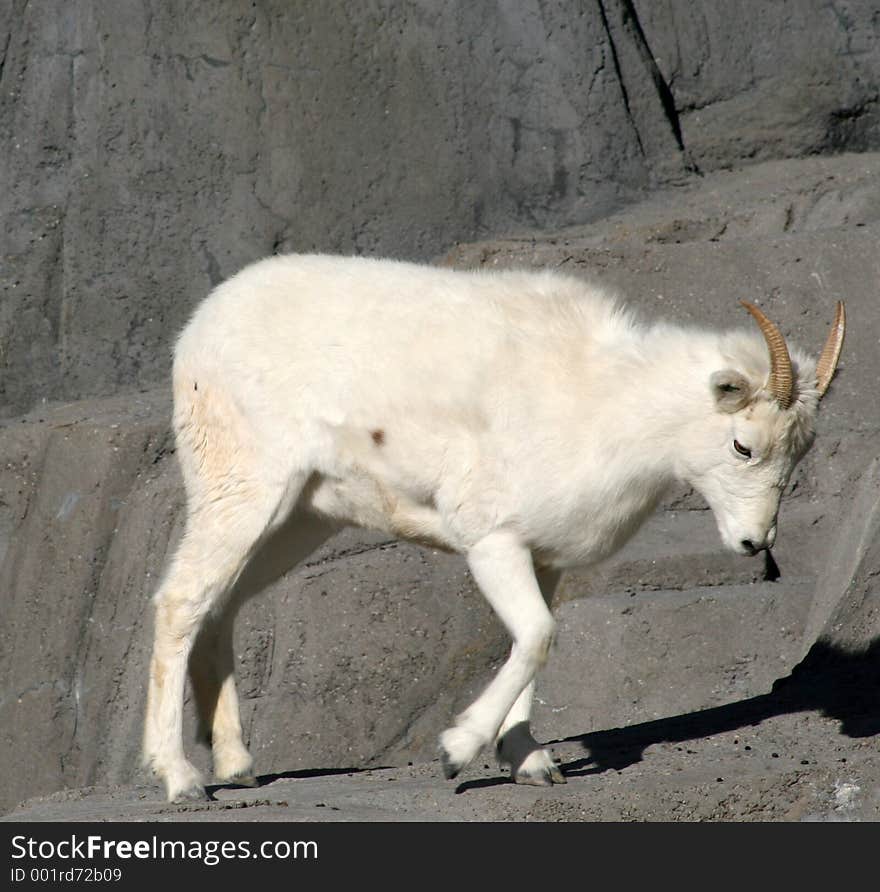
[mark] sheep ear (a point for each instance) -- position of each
(732, 390)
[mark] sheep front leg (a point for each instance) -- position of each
(528, 761)
(502, 568)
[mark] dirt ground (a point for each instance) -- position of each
(771, 759)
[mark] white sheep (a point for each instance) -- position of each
(522, 419)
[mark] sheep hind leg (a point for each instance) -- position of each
(220, 538)
(528, 761)
(212, 663)
(211, 669)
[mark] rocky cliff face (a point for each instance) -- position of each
(146, 154)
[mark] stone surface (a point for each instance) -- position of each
(769, 80)
(846, 609)
(145, 154)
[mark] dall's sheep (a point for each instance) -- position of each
(522, 419)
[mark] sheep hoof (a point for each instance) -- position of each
(457, 747)
(450, 768)
(194, 793)
(533, 780)
(184, 784)
(542, 778)
(538, 770)
(241, 780)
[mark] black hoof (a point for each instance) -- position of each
(450, 768)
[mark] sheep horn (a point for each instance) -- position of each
(830, 354)
(781, 380)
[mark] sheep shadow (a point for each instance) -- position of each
(830, 680)
(263, 780)
(834, 682)
(839, 684)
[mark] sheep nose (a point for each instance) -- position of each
(749, 546)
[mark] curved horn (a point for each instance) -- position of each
(830, 354)
(781, 381)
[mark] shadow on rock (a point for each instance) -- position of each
(264, 780)
(836, 683)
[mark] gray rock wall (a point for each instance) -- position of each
(754, 81)
(147, 151)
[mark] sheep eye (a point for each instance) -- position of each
(742, 450)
